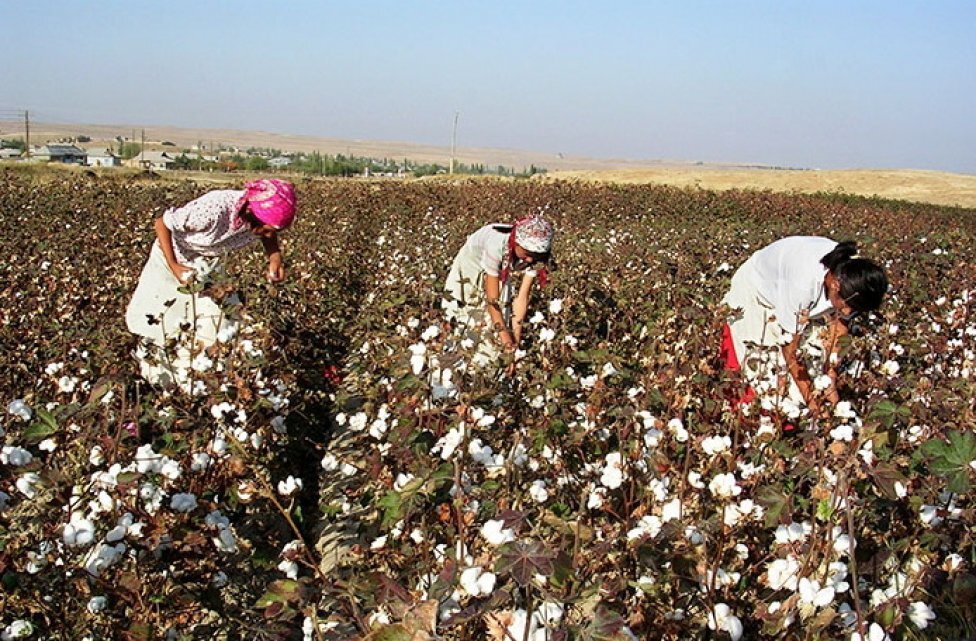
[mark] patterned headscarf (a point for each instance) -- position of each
(533, 233)
(272, 201)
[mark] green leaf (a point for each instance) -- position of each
(393, 507)
(281, 591)
(775, 503)
(45, 426)
(950, 459)
(824, 510)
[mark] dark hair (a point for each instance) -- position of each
(862, 282)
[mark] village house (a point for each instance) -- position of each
(53, 152)
(152, 160)
(102, 157)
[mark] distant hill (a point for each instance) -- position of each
(934, 187)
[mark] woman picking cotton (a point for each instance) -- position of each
(482, 291)
(797, 297)
(190, 240)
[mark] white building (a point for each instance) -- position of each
(102, 157)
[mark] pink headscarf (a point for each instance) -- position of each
(272, 201)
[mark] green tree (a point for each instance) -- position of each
(130, 150)
(256, 163)
(16, 143)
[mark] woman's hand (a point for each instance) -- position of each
(507, 339)
(276, 270)
(181, 272)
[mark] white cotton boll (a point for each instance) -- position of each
(555, 305)
(537, 318)
(822, 382)
(474, 580)
(79, 532)
(890, 368)
(15, 456)
(495, 532)
(96, 456)
(695, 480)
(418, 357)
(842, 433)
(929, 515)
(546, 335)
(713, 445)
(27, 484)
(330, 463)
(53, 368)
(843, 544)
(278, 425)
(183, 502)
(96, 604)
(867, 452)
(200, 461)
(612, 475)
(378, 543)
(538, 491)
(116, 534)
(67, 384)
(202, 363)
(289, 568)
(648, 526)
(952, 562)
(812, 593)
(677, 429)
(722, 619)
(608, 370)
(596, 498)
(588, 382)
(844, 410)
(875, 633)
(378, 428)
(793, 533)
(448, 443)
(20, 409)
(170, 468)
(357, 422)
(402, 480)
(724, 485)
(430, 333)
(19, 629)
(225, 541)
(147, 460)
(347, 469)
(289, 486)
(671, 510)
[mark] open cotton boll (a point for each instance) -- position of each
(495, 532)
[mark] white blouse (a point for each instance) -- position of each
(790, 277)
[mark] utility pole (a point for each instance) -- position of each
(142, 150)
(454, 141)
(27, 134)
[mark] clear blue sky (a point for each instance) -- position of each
(837, 84)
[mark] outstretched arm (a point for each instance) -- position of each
(272, 249)
(798, 371)
(492, 294)
(520, 306)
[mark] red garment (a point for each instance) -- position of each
(731, 363)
